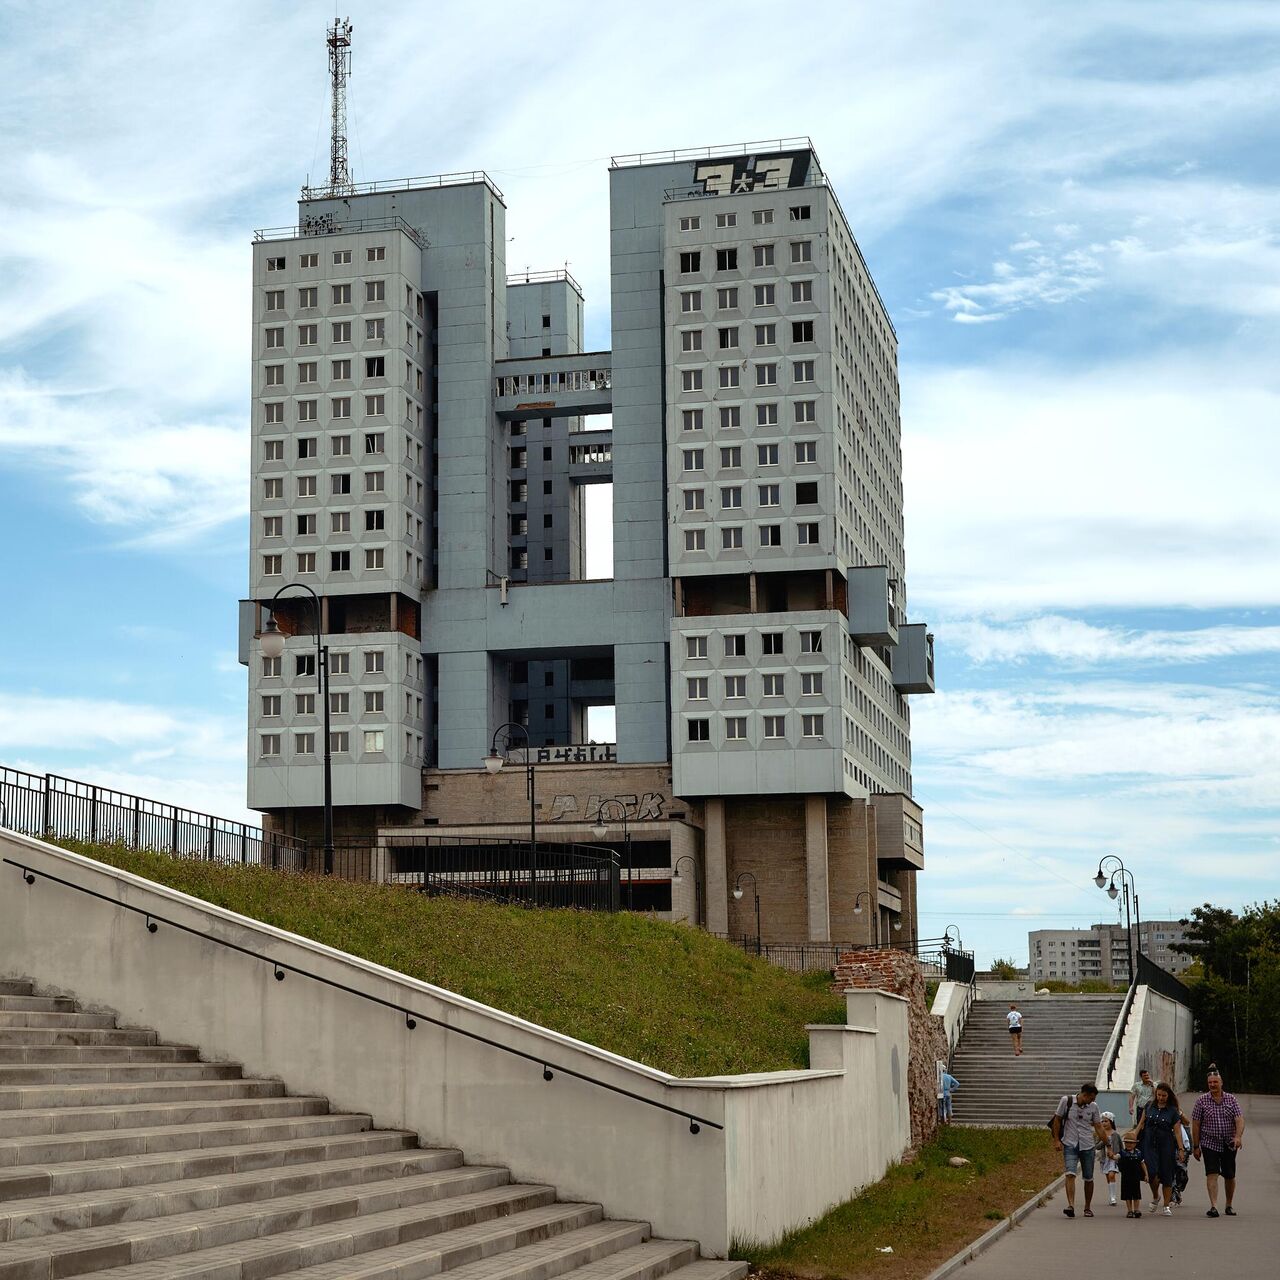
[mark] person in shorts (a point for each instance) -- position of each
(1217, 1135)
(1077, 1129)
(1014, 1018)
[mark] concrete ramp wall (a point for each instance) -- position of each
(1156, 1035)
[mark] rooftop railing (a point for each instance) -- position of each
(712, 153)
(544, 277)
(326, 225)
(464, 178)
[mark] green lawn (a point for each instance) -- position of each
(663, 994)
(925, 1211)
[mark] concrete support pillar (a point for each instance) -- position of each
(395, 611)
(816, 875)
(717, 906)
(752, 599)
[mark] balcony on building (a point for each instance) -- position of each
(911, 659)
(899, 832)
(873, 606)
(554, 386)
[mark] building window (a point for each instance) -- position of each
(802, 291)
(771, 535)
(802, 251)
(731, 417)
(762, 255)
(695, 539)
(692, 419)
(373, 662)
(761, 217)
(766, 415)
(765, 295)
(375, 520)
(375, 366)
(275, 264)
(807, 534)
(273, 526)
(691, 379)
(306, 486)
(730, 375)
(802, 331)
(695, 646)
(691, 300)
(340, 446)
(273, 412)
(306, 410)
(341, 371)
(693, 500)
(731, 456)
(339, 664)
(774, 685)
(775, 726)
(806, 493)
(811, 642)
(731, 538)
(693, 459)
(340, 561)
(341, 257)
(771, 642)
(766, 335)
(766, 375)
(799, 212)
(769, 495)
(735, 728)
(307, 525)
(308, 335)
(767, 455)
(374, 701)
(308, 260)
(728, 338)
(726, 219)
(375, 441)
(374, 481)
(341, 295)
(375, 329)
(270, 705)
(806, 411)
(375, 290)
(696, 688)
(275, 375)
(806, 451)
(802, 371)
(811, 726)
(727, 298)
(375, 253)
(273, 487)
(374, 558)
(275, 299)
(699, 730)
(342, 333)
(811, 683)
(690, 261)
(340, 742)
(304, 664)
(340, 407)
(270, 744)
(690, 339)
(735, 686)
(270, 668)
(690, 223)
(272, 566)
(275, 338)
(374, 740)
(304, 744)
(273, 451)
(306, 562)
(307, 372)
(726, 259)
(735, 645)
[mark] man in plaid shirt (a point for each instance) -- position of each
(1217, 1132)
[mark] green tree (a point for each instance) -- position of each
(1005, 970)
(1235, 991)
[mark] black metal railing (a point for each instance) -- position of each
(1161, 981)
(412, 1017)
(799, 957)
(50, 806)
(937, 960)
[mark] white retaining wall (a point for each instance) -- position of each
(794, 1143)
(952, 1003)
(1156, 1035)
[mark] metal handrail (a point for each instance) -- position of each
(1117, 1035)
(411, 1016)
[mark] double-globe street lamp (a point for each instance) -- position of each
(1127, 883)
(493, 762)
(272, 643)
(755, 891)
(601, 829)
(677, 878)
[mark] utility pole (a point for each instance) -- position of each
(339, 42)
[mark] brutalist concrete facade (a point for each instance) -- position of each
(753, 640)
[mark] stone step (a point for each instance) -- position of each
(376, 1214)
(78, 1210)
(77, 1035)
(14, 1018)
(89, 1121)
(172, 1137)
(49, 1054)
(36, 1004)
(452, 1244)
(123, 1093)
(82, 1073)
(114, 1172)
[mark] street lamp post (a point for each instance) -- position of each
(946, 935)
(875, 913)
(493, 762)
(272, 643)
(697, 887)
(600, 830)
(755, 890)
(1126, 884)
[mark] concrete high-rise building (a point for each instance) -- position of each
(1102, 951)
(423, 428)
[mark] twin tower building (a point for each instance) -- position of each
(424, 428)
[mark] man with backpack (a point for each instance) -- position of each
(1077, 1129)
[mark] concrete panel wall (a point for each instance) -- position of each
(1157, 1036)
(793, 1144)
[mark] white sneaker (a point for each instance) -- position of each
(1168, 1212)
(1155, 1205)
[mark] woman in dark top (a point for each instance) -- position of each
(1161, 1131)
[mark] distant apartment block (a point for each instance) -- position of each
(1102, 951)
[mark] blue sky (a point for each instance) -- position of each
(1071, 212)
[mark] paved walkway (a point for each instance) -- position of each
(1047, 1246)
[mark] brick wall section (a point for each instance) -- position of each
(898, 973)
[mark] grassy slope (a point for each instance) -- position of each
(662, 994)
(924, 1211)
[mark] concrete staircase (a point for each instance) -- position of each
(124, 1157)
(1063, 1040)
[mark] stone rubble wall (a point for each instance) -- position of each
(900, 974)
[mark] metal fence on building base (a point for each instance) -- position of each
(935, 959)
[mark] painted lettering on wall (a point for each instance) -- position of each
(582, 753)
(735, 174)
(647, 807)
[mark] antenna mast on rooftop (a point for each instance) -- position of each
(339, 41)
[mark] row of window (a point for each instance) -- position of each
(770, 535)
(375, 520)
(340, 371)
(762, 295)
(735, 727)
(803, 412)
(766, 375)
(339, 295)
(309, 334)
(767, 455)
(375, 443)
(772, 644)
(759, 218)
(341, 258)
(375, 558)
(728, 336)
(773, 684)
(339, 703)
(762, 255)
(304, 743)
(375, 406)
(767, 495)
(304, 664)
(339, 485)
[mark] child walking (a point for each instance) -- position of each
(1108, 1151)
(1133, 1174)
